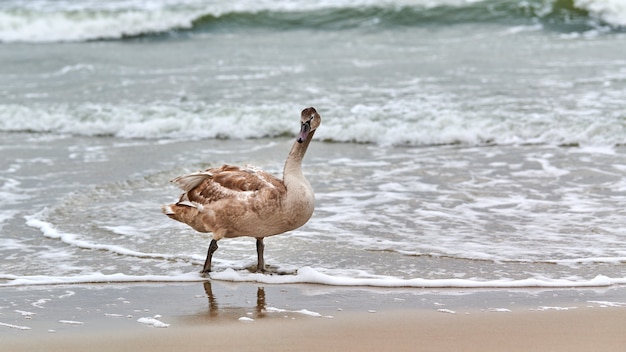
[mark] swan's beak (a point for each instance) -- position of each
(304, 131)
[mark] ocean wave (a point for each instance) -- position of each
(382, 125)
(192, 121)
(37, 24)
(60, 21)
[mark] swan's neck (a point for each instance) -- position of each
(293, 165)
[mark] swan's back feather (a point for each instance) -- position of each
(227, 182)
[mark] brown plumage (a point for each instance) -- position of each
(232, 201)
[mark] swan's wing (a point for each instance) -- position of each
(226, 182)
(191, 181)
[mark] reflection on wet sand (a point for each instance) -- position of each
(229, 311)
(235, 302)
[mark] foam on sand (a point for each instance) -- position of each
(318, 276)
(153, 321)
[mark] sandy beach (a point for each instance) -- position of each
(247, 317)
(580, 330)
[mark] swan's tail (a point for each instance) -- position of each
(190, 213)
(167, 210)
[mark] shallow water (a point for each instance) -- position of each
(463, 143)
(477, 214)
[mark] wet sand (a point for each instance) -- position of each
(248, 317)
(585, 329)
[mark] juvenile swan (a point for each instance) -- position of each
(232, 201)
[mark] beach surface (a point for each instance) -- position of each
(249, 317)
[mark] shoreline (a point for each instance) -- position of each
(247, 316)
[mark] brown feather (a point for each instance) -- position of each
(233, 182)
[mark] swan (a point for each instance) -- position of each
(233, 201)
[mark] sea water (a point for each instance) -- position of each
(463, 143)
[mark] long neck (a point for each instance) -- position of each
(293, 165)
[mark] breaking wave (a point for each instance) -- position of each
(385, 125)
(62, 21)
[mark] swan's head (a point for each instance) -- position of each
(310, 120)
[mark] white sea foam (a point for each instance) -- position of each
(11, 194)
(499, 310)
(76, 240)
(310, 275)
(67, 294)
(380, 124)
(153, 321)
(25, 314)
(609, 303)
(155, 121)
(301, 311)
(40, 302)
(318, 276)
(71, 322)
(13, 326)
(96, 277)
(610, 11)
(12, 244)
(545, 308)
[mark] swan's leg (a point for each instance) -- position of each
(259, 251)
(209, 257)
